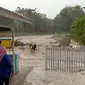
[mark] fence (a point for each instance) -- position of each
(65, 59)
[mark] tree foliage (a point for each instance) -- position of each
(61, 23)
(78, 30)
(67, 15)
(41, 22)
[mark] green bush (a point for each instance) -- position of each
(78, 30)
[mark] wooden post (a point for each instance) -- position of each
(13, 49)
(46, 58)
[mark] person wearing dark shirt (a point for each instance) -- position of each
(5, 66)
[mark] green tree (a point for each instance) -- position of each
(67, 15)
(78, 30)
(41, 22)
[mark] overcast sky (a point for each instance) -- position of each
(49, 7)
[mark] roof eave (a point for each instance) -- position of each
(14, 16)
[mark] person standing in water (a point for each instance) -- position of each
(5, 66)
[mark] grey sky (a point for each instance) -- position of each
(48, 7)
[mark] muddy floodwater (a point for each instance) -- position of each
(32, 66)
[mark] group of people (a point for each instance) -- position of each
(5, 66)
